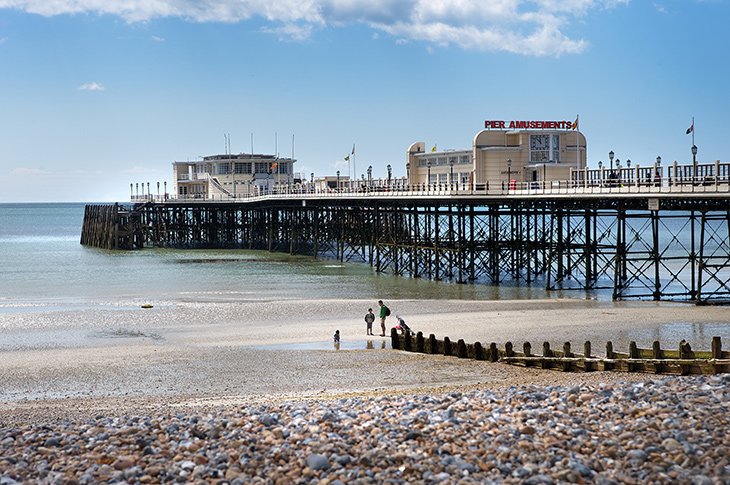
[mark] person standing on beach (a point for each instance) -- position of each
(384, 312)
(369, 319)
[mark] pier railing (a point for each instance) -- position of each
(383, 188)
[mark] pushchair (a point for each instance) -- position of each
(402, 326)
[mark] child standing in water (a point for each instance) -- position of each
(336, 337)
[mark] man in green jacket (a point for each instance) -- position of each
(384, 312)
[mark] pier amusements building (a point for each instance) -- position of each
(231, 175)
(520, 151)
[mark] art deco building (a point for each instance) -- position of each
(520, 151)
(231, 175)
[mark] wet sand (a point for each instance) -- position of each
(201, 354)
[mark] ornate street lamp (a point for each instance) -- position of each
(428, 179)
(451, 172)
(131, 191)
(694, 160)
(610, 157)
(390, 172)
(158, 189)
(338, 181)
(408, 172)
(509, 171)
(370, 175)
(164, 185)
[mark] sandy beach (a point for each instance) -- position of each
(238, 392)
(189, 353)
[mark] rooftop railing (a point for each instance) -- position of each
(710, 178)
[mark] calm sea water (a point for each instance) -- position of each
(43, 264)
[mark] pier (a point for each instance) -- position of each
(638, 241)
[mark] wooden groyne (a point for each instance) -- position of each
(682, 360)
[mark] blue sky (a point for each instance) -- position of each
(98, 95)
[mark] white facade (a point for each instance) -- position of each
(231, 175)
(508, 155)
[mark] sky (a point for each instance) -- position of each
(95, 95)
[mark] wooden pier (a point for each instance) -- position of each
(659, 246)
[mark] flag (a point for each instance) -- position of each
(434, 148)
(575, 123)
(347, 158)
(691, 128)
(274, 166)
(353, 149)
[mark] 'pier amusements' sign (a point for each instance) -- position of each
(530, 125)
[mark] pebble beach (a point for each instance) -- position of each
(668, 430)
(165, 402)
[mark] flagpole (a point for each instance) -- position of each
(577, 145)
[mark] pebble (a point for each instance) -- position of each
(671, 430)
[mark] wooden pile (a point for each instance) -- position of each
(682, 360)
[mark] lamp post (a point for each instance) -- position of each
(158, 189)
(137, 188)
(164, 185)
(694, 160)
(370, 176)
(390, 172)
(658, 169)
(148, 190)
(428, 178)
(408, 173)
(610, 157)
(509, 173)
(338, 181)
(131, 191)
(600, 172)
(451, 173)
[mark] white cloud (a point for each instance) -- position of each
(91, 87)
(139, 169)
(28, 171)
(526, 27)
(158, 39)
(294, 32)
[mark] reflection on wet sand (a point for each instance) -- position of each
(380, 344)
(371, 346)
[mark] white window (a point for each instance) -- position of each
(243, 167)
(544, 148)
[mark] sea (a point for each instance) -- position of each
(48, 279)
(43, 265)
